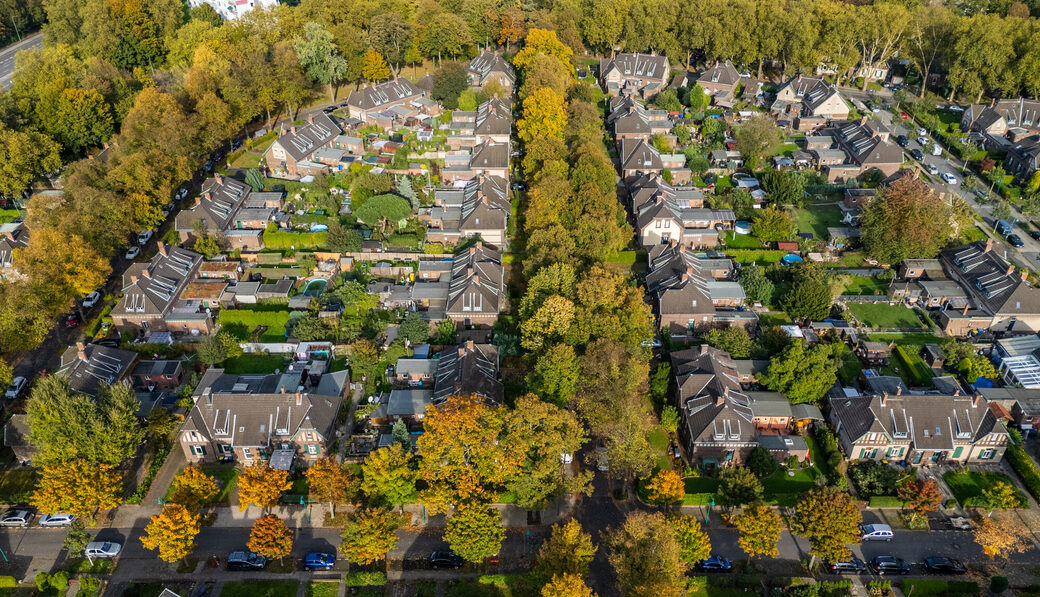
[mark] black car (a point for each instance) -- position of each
(245, 561)
(446, 560)
(889, 565)
(942, 565)
(1034, 234)
(916, 154)
(109, 342)
(902, 141)
(1015, 240)
(854, 566)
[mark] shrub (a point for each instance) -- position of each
(364, 579)
(998, 584)
(8, 582)
(873, 478)
(762, 463)
(1025, 468)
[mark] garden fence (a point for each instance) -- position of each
(863, 298)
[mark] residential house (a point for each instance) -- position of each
(407, 405)
(665, 214)
(489, 158)
(490, 66)
(415, 372)
(1022, 405)
(17, 437)
(874, 354)
(230, 11)
(380, 97)
(164, 374)
(1023, 158)
(1001, 117)
(492, 120)
(920, 429)
(639, 156)
(469, 370)
(866, 146)
(150, 292)
(481, 208)
(720, 82)
(13, 236)
(630, 119)
(643, 75)
(807, 103)
(246, 417)
(476, 291)
(229, 208)
(89, 366)
(292, 153)
(687, 298)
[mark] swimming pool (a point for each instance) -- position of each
(315, 287)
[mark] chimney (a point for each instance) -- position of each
(219, 178)
(899, 391)
(292, 130)
(462, 352)
(884, 398)
(469, 271)
(673, 242)
(104, 145)
(208, 195)
(310, 118)
(476, 279)
(281, 390)
(863, 121)
(469, 345)
(1010, 269)
(472, 250)
(689, 271)
(1025, 274)
(975, 400)
(81, 351)
(704, 348)
(146, 273)
(683, 277)
(480, 245)
(133, 278)
(162, 248)
(965, 310)
(957, 392)
(198, 201)
(299, 399)
(208, 395)
(989, 245)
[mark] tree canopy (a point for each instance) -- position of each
(907, 220)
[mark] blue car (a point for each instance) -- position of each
(319, 561)
(715, 564)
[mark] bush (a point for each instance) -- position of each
(8, 582)
(1024, 467)
(998, 584)
(364, 579)
(761, 462)
(873, 478)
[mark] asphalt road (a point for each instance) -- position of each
(7, 56)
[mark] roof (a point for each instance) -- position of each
(494, 117)
(17, 432)
(990, 281)
(487, 63)
(379, 95)
(638, 154)
(1020, 112)
(416, 366)
(220, 198)
(150, 288)
(680, 285)
(470, 369)
(409, 403)
(636, 66)
(722, 73)
(489, 155)
(153, 368)
(865, 145)
(89, 366)
(476, 285)
(13, 235)
(319, 130)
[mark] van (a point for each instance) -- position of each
(875, 532)
(1003, 227)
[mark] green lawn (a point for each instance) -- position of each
(782, 489)
(817, 218)
(248, 159)
(885, 501)
(658, 439)
(242, 322)
(850, 369)
(866, 285)
(261, 588)
(968, 486)
(941, 588)
(284, 239)
(883, 315)
(741, 241)
(700, 491)
(774, 318)
(320, 588)
(911, 338)
(8, 215)
(918, 373)
(254, 363)
(755, 255)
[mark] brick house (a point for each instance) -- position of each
(292, 153)
(644, 75)
(720, 82)
(89, 366)
(476, 290)
(469, 370)
(161, 374)
(150, 292)
(13, 236)
(490, 66)
(380, 97)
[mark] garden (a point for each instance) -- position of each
(269, 321)
(817, 218)
(885, 315)
(968, 486)
(261, 588)
(915, 372)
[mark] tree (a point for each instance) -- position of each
(921, 496)
(738, 486)
(261, 485)
(669, 416)
(666, 488)
(784, 187)
(342, 239)
(319, 56)
(475, 532)
(172, 532)
(391, 36)
(906, 220)
(544, 115)
(698, 99)
(270, 537)
(568, 550)
(975, 366)
(554, 377)
(449, 81)
(218, 348)
(78, 487)
(192, 488)
(773, 224)
(6, 374)
(414, 329)
(541, 41)
(809, 293)
(567, 585)
(803, 374)
(646, 556)
(1000, 536)
(512, 26)
(830, 520)
(369, 535)
(1001, 496)
(756, 285)
(758, 137)
(759, 528)
(383, 208)
(694, 544)
(388, 476)
(24, 156)
(399, 433)
(761, 462)
(733, 340)
(70, 267)
(329, 481)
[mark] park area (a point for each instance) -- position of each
(886, 316)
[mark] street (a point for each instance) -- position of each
(7, 57)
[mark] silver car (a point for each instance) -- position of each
(56, 520)
(16, 518)
(102, 549)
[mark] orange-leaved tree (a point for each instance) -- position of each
(666, 488)
(192, 488)
(78, 487)
(330, 482)
(172, 532)
(271, 537)
(261, 485)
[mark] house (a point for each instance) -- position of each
(13, 236)
(874, 354)
(469, 370)
(89, 366)
(866, 146)
(630, 119)
(415, 372)
(643, 75)
(1022, 405)
(476, 290)
(665, 213)
(488, 157)
(408, 405)
(720, 82)
(150, 292)
(687, 298)
(920, 429)
(492, 120)
(1023, 158)
(164, 374)
(16, 437)
(720, 422)
(380, 97)
(490, 66)
(231, 11)
(246, 417)
(1000, 117)
(638, 157)
(229, 208)
(809, 102)
(292, 153)
(480, 208)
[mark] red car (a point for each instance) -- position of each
(904, 115)
(72, 320)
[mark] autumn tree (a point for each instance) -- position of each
(739, 486)
(261, 485)
(23, 157)
(475, 531)
(270, 537)
(1000, 536)
(906, 220)
(666, 488)
(734, 340)
(71, 267)
(388, 476)
(830, 520)
(567, 585)
(331, 482)
(512, 26)
(757, 138)
(383, 209)
(646, 556)
(544, 115)
(759, 528)
(541, 432)
(78, 487)
(541, 41)
(192, 488)
(568, 550)
(1000, 496)
(694, 544)
(920, 496)
(172, 532)
(369, 535)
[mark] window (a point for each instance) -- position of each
(247, 453)
(198, 450)
(312, 449)
(893, 452)
(310, 436)
(987, 454)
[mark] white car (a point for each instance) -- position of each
(921, 131)
(102, 549)
(16, 518)
(181, 194)
(144, 237)
(949, 178)
(56, 520)
(17, 387)
(922, 140)
(133, 252)
(933, 169)
(91, 299)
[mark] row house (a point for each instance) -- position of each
(230, 208)
(807, 103)
(492, 120)
(720, 82)
(665, 214)
(13, 236)
(630, 119)
(1010, 125)
(866, 147)
(88, 367)
(480, 208)
(490, 66)
(364, 103)
(489, 158)
(642, 75)
(476, 290)
(639, 156)
(150, 294)
(292, 155)
(470, 369)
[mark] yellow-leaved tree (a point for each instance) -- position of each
(270, 537)
(374, 68)
(544, 115)
(759, 528)
(192, 488)
(78, 487)
(172, 532)
(542, 41)
(330, 482)
(567, 585)
(666, 488)
(261, 485)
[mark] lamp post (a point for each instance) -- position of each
(707, 513)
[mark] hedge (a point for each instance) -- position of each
(8, 582)
(885, 501)
(1024, 467)
(940, 588)
(364, 579)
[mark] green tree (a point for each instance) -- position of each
(907, 220)
(414, 328)
(733, 340)
(646, 556)
(449, 81)
(24, 156)
(218, 348)
(475, 531)
(830, 520)
(762, 462)
(6, 374)
(555, 375)
(758, 137)
(694, 544)
(320, 58)
(1000, 496)
(809, 293)
(784, 187)
(803, 374)
(342, 239)
(773, 224)
(738, 486)
(383, 209)
(568, 550)
(390, 35)
(698, 99)
(757, 287)
(388, 476)
(369, 535)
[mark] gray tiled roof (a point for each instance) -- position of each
(96, 365)
(469, 369)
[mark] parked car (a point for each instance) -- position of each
(949, 178)
(902, 141)
(102, 549)
(943, 565)
(889, 565)
(72, 320)
(245, 560)
(921, 131)
(17, 517)
(904, 115)
(60, 519)
(91, 299)
(922, 141)
(132, 253)
(167, 209)
(1034, 234)
(1015, 240)
(715, 564)
(446, 560)
(916, 154)
(319, 561)
(144, 237)
(875, 532)
(933, 169)
(17, 387)
(181, 194)
(854, 566)
(109, 342)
